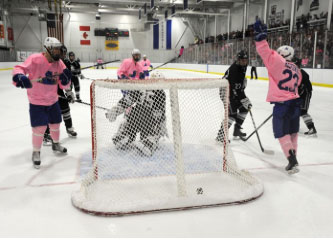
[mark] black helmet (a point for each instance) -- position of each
(71, 53)
(63, 50)
(242, 55)
(297, 61)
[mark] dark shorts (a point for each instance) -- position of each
(286, 118)
(44, 115)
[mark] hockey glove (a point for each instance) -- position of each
(151, 66)
(122, 77)
(82, 76)
(260, 31)
(70, 96)
(22, 81)
(142, 76)
(48, 79)
(65, 77)
(246, 103)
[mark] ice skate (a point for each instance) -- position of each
(71, 132)
(144, 149)
(238, 132)
(47, 140)
(36, 159)
(58, 147)
(311, 132)
(292, 167)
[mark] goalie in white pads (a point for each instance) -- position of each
(145, 114)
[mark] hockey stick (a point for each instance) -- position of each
(163, 64)
(255, 128)
(104, 63)
(90, 105)
(40, 80)
(245, 139)
(269, 152)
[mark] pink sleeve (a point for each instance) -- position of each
(272, 60)
(23, 68)
(122, 69)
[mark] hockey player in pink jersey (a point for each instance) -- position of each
(284, 79)
(42, 95)
(130, 68)
(146, 64)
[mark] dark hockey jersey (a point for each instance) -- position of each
(74, 66)
(237, 81)
(305, 86)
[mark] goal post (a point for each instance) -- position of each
(154, 148)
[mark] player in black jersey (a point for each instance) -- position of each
(65, 97)
(305, 93)
(239, 102)
(74, 65)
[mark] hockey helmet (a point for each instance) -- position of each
(297, 61)
(63, 52)
(242, 58)
(286, 52)
(242, 55)
(53, 45)
(136, 54)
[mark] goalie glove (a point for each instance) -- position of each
(70, 96)
(112, 113)
(246, 103)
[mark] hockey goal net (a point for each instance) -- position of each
(154, 148)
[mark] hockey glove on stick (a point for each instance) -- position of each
(22, 81)
(70, 96)
(260, 31)
(246, 103)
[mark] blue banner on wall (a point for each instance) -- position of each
(155, 36)
(168, 34)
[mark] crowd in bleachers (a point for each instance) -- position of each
(220, 50)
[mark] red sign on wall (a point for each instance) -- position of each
(10, 34)
(84, 35)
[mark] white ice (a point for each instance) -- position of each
(37, 203)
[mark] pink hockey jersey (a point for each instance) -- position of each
(130, 69)
(35, 66)
(145, 64)
(284, 76)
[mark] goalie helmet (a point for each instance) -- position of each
(53, 45)
(286, 52)
(157, 75)
(136, 54)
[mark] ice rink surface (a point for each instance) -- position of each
(37, 203)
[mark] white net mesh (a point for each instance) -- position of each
(154, 148)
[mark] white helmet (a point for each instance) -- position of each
(51, 42)
(286, 52)
(136, 52)
(157, 75)
(144, 56)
